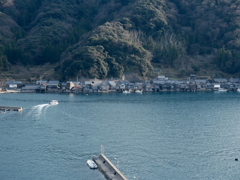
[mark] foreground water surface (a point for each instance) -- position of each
(169, 135)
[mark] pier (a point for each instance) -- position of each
(108, 169)
(10, 108)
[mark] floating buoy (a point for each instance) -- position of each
(236, 159)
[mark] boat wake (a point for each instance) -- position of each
(37, 111)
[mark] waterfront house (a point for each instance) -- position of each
(209, 86)
(148, 87)
(63, 86)
(216, 86)
(94, 88)
(71, 84)
(162, 78)
(53, 84)
(104, 86)
(234, 80)
(192, 77)
(123, 84)
(156, 87)
(13, 85)
(192, 87)
(86, 89)
(43, 88)
(166, 87)
(112, 83)
(112, 86)
(220, 80)
(77, 88)
(31, 87)
(138, 86)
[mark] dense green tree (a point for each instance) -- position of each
(223, 57)
(109, 37)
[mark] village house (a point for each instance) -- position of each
(162, 78)
(200, 84)
(122, 85)
(53, 85)
(220, 80)
(13, 85)
(209, 86)
(138, 86)
(147, 86)
(216, 86)
(130, 87)
(77, 89)
(112, 86)
(31, 87)
(104, 86)
(71, 84)
(234, 80)
(63, 86)
(156, 87)
(192, 77)
(230, 86)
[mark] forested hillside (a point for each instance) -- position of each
(106, 38)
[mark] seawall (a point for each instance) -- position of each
(9, 108)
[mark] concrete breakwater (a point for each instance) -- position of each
(10, 108)
(108, 169)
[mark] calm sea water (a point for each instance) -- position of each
(152, 136)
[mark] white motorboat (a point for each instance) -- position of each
(138, 91)
(92, 164)
(126, 92)
(53, 102)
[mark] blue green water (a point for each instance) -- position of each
(150, 136)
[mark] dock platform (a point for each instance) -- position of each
(10, 108)
(108, 169)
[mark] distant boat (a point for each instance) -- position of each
(4, 111)
(92, 164)
(138, 91)
(53, 102)
(126, 92)
(222, 90)
(238, 90)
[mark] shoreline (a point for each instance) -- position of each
(121, 92)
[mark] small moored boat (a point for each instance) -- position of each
(92, 164)
(126, 92)
(138, 91)
(53, 102)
